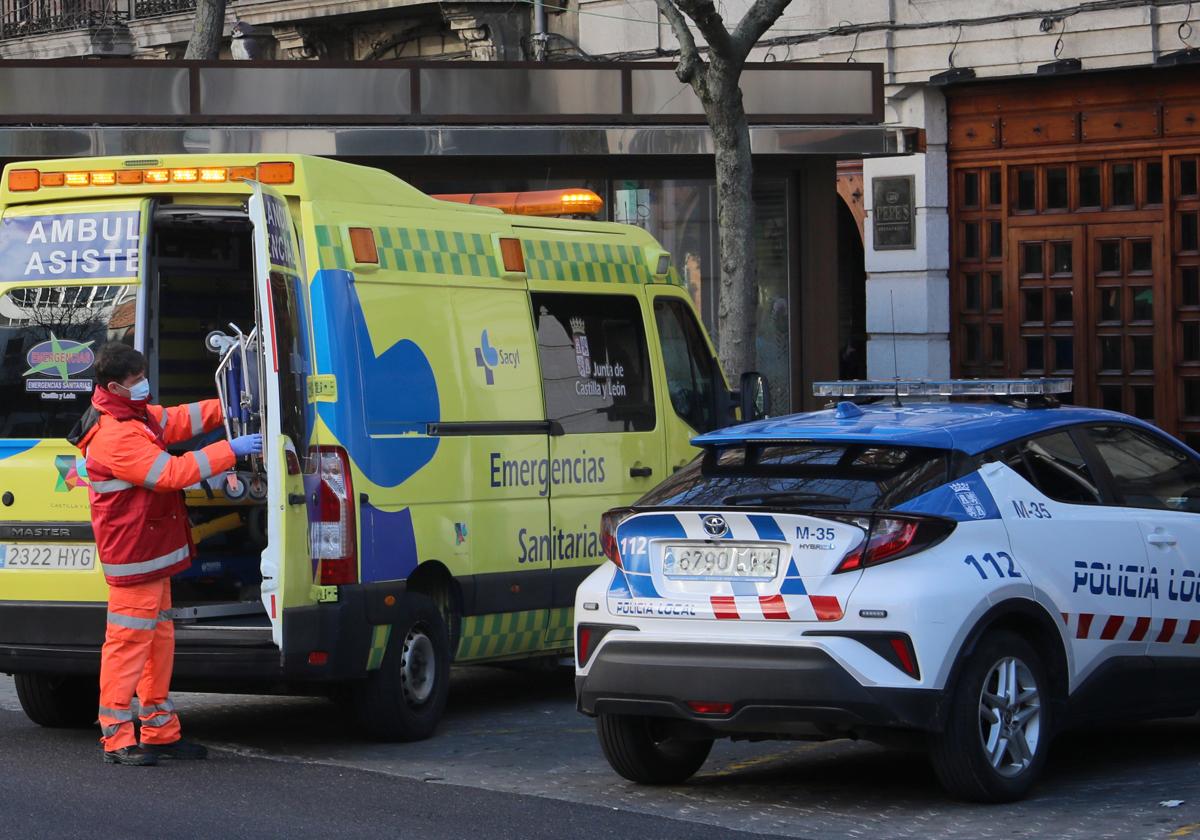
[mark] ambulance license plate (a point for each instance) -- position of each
(720, 562)
(49, 557)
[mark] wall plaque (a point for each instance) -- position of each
(892, 215)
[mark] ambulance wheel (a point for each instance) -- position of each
(640, 750)
(998, 723)
(59, 701)
(404, 699)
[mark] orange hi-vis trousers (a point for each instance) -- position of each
(138, 655)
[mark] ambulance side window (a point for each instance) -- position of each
(293, 362)
(690, 368)
(595, 367)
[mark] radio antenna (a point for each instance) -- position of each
(895, 355)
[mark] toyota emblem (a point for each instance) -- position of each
(715, 525)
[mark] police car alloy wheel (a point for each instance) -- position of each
(997, 724)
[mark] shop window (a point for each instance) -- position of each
(1188, 234)
(1191, 397)
(1122, 185)
(1191, 341)
(1110, 303)
(1089, 186)
(1141, 257)
(1035, 354)
(1056, 188)
(1187, 177)
(1143, 352)
(1110, 353)
(1189, 285)
(971, 241)
(996, 288)
(1031, 259)
(1064, 353)
(1110, 256)
(1026, 197)
(1110, 397)
(1035, 311)
(997, 335)
(1062, 258)
(1064, 306)
(973, 295)
(970, 191)
(995, 247)
(1154, 182)
(1141, 300)
(994, 193)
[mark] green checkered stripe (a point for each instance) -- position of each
(379, 642)
(501, 634)
(418, 251)
(547, 259)
(561, 617)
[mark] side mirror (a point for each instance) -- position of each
(754, 397)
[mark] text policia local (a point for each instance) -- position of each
(82, 256)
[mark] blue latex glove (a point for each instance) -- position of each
(247, 445)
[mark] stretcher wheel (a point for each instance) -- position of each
(234, 487)
(258, 488)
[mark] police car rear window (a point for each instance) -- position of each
(825, 475)
(49, 336)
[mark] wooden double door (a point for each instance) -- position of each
(1090, 301)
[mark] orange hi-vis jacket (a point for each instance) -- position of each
(138, 514)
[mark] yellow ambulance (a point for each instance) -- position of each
(450, 396)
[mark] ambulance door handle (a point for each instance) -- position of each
(1159, 538)
(296, 499)
(640, 472)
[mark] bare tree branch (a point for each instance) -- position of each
(754, 24)
(691, 66)
(708, 20)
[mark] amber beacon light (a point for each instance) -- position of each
(566, 202)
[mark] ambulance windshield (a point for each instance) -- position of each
(49, 336)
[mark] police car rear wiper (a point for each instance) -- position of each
(820, 498)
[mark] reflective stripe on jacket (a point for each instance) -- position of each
(138, 514)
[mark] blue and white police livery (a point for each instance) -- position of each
(983, 575)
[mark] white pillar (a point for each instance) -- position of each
(908, 291)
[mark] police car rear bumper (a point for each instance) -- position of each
(774, 690)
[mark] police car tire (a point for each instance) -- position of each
(632, 748)
(958, 755)
(380, 703)
(59, 701)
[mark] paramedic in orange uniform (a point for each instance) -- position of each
(142, 538)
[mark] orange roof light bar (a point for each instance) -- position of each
(213, 175)
(185, 176)
(277, 173)
(104, 179)
(129, 176)
(565, 202)
(53, 179)
(157, 176)
(22, 180)
(78, 179)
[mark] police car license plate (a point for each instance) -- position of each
(720, 562)
(47, 556)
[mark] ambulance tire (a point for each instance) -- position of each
(638, 750)
(59, 701)
(404, 699)
(960, 753)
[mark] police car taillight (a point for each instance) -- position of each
(608, 532)
(891, 537)
(333, 532)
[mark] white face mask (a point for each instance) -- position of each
(140, 390)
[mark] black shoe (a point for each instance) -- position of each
(181, 749)
(133, 756)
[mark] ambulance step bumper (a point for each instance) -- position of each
(774, 690)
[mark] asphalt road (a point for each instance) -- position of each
(513, 759)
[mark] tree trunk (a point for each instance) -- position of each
(738, 290)
(207, 30)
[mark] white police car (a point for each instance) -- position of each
(983, 575)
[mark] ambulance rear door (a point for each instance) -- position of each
(281, 295)
(70, 280)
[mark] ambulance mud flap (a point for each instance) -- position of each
(281, 304)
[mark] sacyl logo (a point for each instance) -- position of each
(715, 525)
(489, 358)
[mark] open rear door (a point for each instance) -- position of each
(281, 296)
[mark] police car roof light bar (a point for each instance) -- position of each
(850, 388)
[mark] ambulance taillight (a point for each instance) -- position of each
(334, 533)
